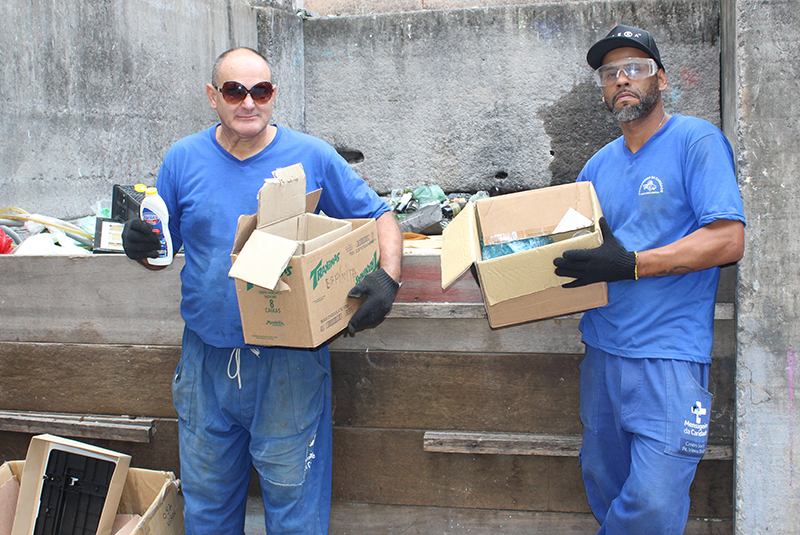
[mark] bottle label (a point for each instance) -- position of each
(149, 216)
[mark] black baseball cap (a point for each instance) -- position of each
(619, 37)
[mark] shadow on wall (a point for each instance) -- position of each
(578, 125)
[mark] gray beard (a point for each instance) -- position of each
(647, 101)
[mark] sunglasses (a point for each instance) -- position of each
(234, 92)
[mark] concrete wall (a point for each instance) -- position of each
(426, 97)
(280, 39)
(373, 7)
(767, 113)
(95, 91)
(475, 98)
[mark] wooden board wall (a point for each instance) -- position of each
(101, 335)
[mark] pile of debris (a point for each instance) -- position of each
(427, 209)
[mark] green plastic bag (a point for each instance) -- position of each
(429, 195)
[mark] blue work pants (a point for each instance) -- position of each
(269, 408)
(645, 428)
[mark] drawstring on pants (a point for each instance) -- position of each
(235, 356)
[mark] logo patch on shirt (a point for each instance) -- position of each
(651, 185)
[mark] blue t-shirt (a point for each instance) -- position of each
(206, 189)
(682, 179)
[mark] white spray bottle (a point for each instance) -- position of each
(153, 210)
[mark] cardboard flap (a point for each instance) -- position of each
(460, 245)
(252, 266)
(312, 200)
(283, 196)
(244, 228)
(9, 496)
(516, 275)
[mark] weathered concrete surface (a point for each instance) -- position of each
(373, 7)
(280, 39)
(95, 91)
(768, 134)
(474, 98)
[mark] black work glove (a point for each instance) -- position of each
(139, 240)
(610, 262)
(380, 290)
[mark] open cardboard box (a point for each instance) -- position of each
(142, 502)
(523, 286)
(294, 269)
(150, 498)
(95, 475)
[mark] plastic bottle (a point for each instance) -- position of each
(153, 210)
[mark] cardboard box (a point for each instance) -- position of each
(154, 496)
(10, 472)
(294, 269)
(151, 496)
(36, 490)
(523, 286)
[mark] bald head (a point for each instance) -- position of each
(234, 52)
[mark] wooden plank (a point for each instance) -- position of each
(161, 453)
(390, 467)
(558, 335)
(366, 519)
(384, 466)
(423, 334)
(88, 378)
(527, 444)
(722, 311)
(89, 299)
(490, 392)
(422, 283)
(131, 429)
(501, 443)
(100, 299)
(502, 392)
(437, 311)
(726, 290)
(712, 490)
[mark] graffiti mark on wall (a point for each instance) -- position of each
(791, 367)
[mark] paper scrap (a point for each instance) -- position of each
(572, 220)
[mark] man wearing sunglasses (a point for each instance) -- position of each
(673, 215)
(241, 406)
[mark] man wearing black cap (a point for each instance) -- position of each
(673, 215)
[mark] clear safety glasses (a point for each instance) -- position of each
(634, 69)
